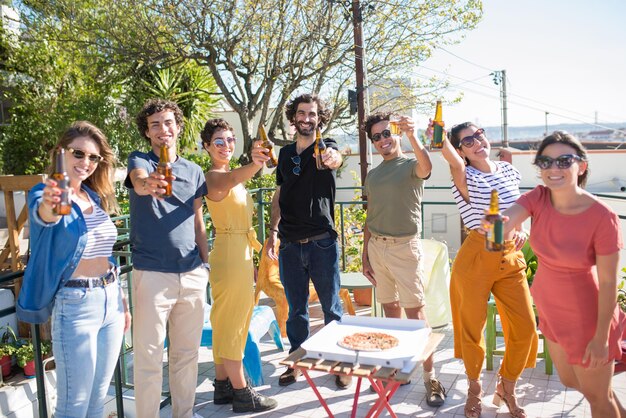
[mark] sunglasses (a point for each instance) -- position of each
(80, 155)
(297, 169)
(468, 141)
(562, 161)
(384, 134)
(221, 142)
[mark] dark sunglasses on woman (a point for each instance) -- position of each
(562, 161)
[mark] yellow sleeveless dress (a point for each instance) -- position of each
(232, 273)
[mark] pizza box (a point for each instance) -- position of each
(412, 338)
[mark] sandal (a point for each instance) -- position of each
(508, 397)
(474, 404)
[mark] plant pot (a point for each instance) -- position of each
(5, 363)
(29, 369)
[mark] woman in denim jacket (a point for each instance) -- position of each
(71, 274)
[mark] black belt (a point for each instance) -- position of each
(92, 281)
(313, 238)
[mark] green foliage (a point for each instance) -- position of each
(193, 88)
(8, 341)
(263, 181)
(26, 351)
(52, 82)
(263, 52)
(621, 291)
(354, 217)
(531, 262)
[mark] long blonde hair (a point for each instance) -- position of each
(101, 180)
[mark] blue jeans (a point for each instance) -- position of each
(319, 261)
(87, 331)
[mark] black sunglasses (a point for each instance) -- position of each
(468, 141)
(80, 155)
(296, 169)
(562, 161)
(384, 134)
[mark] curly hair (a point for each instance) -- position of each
(322, 112)
(211, 126)
(373, 119)
(101, 180)
(562, 137)
(153, 106)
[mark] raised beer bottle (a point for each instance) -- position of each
(437, 141)
(494, 240)
(165, 169)
(269, 146)
(64, 207)
(319, 149)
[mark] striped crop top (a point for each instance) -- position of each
(101, 233)
(505, 180)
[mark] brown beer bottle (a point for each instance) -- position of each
(64, 207)
(269, 146)
(437, 141)
(319, 149)
(165, 169)
(494, 240)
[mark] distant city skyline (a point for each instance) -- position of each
(563, 57)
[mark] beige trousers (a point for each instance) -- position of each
(172, 302)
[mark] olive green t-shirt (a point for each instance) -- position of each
(394, 196)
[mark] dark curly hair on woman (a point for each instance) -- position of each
(322, 112)
(153, 106)
(210, 127)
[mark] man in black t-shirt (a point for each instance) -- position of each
(303, 217)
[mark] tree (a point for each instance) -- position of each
(53, 82)
(262, 52)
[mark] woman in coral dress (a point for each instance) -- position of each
(577, 240)
(232, 275)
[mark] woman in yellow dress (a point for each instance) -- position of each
(232, 274)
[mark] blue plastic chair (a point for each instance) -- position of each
(263, 321)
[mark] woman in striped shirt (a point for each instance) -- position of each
(477, 272)
(71, 256)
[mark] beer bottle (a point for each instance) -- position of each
(437, 141)
(495, 234)
(319, 149)
(165, 169)
(64, 206)
(269, 146)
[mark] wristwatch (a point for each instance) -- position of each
(206, 266)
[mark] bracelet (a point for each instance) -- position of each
(274, 230)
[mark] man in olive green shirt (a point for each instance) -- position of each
(392, 252)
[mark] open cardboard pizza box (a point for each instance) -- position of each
(412, 338)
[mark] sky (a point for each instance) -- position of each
(566, 57)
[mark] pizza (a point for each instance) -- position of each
(368, 341)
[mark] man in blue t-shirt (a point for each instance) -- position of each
(170, 264)
(303, 216)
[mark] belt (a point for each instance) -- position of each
(313, 238)
(92, 281)
(250, 234)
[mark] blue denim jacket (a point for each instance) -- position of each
(56, 249)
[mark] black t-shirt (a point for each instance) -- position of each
(307, 201)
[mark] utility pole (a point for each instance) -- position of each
(499, 78)
(357, 20)
(546, 133)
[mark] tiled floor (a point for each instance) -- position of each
(541, 395)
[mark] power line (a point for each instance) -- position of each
(467, 61)
(518, 103)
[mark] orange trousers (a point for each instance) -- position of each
(476, 273)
